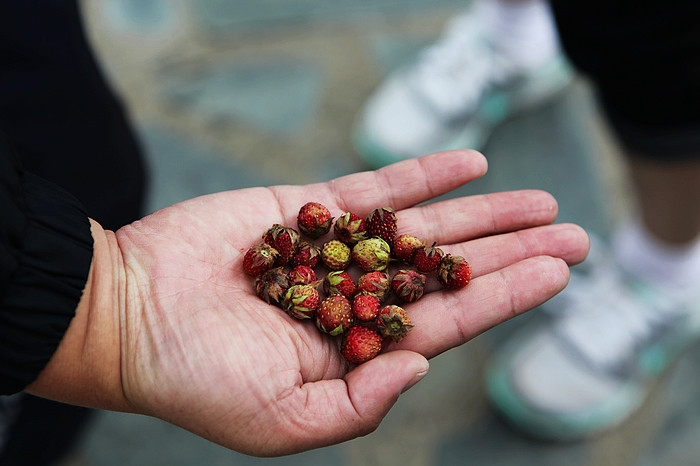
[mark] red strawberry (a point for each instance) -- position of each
(382, 222)
(405, 247)
(284, 239)
(302, 275)
(350, 228)
(365, 307)
(361, 344)
(272, 285)
(306, 254)
(376, 282)
(258, 259)
(428, 259)
(371, 254)
(314, 219)
(408, 285)
(339, 282)
(393, 322)
(301, 301)
(334, 315)
(454, 272)
(335, 254)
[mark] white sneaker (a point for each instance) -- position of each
(458, 90)
(594, 363)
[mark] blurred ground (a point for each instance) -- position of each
(228, 93)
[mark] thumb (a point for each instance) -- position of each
(355, 406)
(374, 387)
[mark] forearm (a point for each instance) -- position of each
(86, 368)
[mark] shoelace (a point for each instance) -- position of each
(454, 72)
(609, 315)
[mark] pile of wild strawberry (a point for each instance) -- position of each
(356, 308)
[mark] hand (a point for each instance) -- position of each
(184, 337)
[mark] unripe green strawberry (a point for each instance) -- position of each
(258, 259)
(335, 254)
(393, 322)
(302, 275)
(365, 307)
(408, 285)
(306, 254)
(382, 222)
(428, 259)
(350, 228)
(272, 285)
(284, 239)
(361, 344)
(334, 315)
(314, 219)
(405, 247)
(376, 282)
(339, 282)
(301, 301)
(454, 272)
(371, 254)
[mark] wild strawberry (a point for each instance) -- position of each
(301, 275)
(301, 301)
(360, 345)
(405, 247)
(393, 322)
(382, 222)
(306, 254)
(365, 307)
(335, 254)
(350, 228)
(284, 239)
(371, 254)
(272, 285)
(334, 315)
(428, 259)
(258, 259)
(376, 282)
(408, 285)
(314, 219)
(339, 282)
(454, 272)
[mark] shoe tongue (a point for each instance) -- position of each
(599, 341)
(609, 327)
(610, 335)
(453, 74)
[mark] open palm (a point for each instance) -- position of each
(201, 350)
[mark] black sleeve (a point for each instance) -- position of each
(45, 257)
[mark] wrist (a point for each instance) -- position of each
(86, 368)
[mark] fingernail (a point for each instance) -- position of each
(416, 378)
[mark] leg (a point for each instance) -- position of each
(668, 196)
(613, 332)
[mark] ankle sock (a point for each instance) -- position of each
(524, 29)
(654, 261)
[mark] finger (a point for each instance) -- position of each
(485, 255)
(459, 219)
(447, 319)
(409, 182)
(327, 412)
(399, 185)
